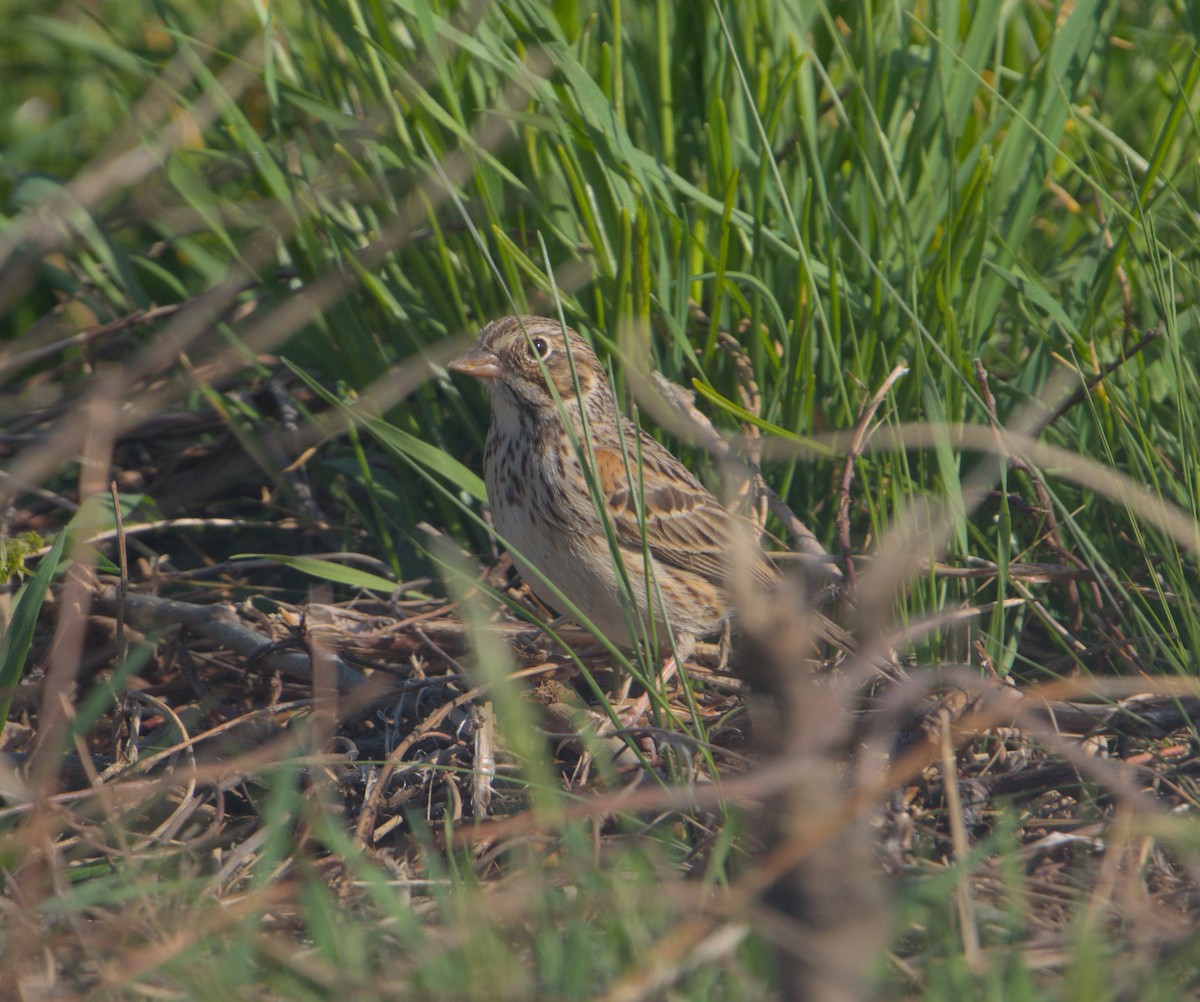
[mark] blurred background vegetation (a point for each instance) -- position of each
(199, 199)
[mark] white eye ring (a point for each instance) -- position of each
(541, 347)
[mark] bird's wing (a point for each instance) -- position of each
(686, 526)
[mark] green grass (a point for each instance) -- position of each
(348, 189)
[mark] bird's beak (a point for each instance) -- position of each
(477, 362)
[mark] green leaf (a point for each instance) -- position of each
(14, 645)
(1036, 294)
(15, 550)
(327, 570)
(35, 192)
(409, 446)
(429, 456)
(739, 412)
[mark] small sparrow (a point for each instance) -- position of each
(538, 447)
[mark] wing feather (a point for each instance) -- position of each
(686, 526)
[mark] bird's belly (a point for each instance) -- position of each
(584, 577)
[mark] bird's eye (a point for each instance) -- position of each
(540, 346)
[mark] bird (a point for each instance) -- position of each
(562, 463)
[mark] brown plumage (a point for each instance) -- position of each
(545, 510)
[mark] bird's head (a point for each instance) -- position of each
(520, 357)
